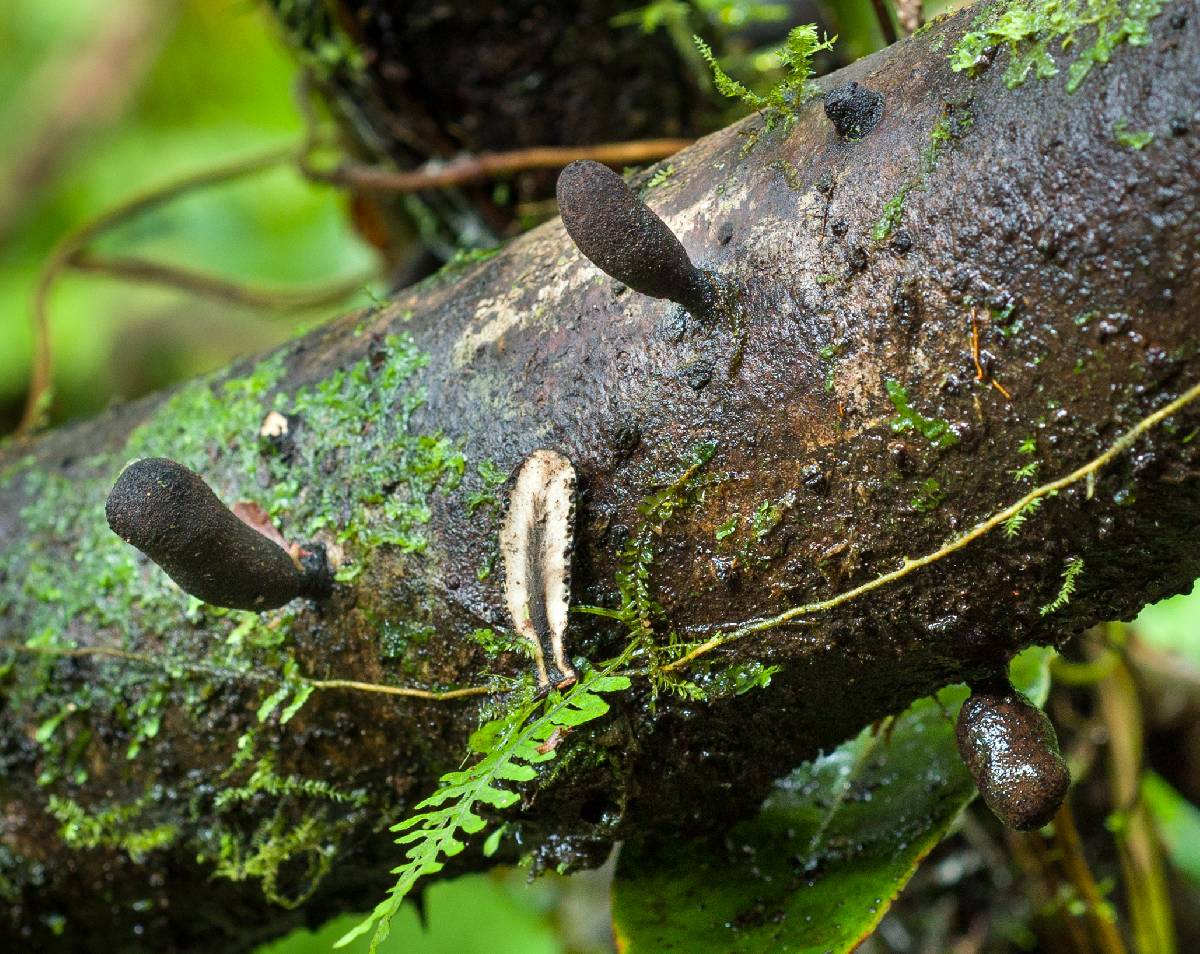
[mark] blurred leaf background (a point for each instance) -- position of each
(101, 99)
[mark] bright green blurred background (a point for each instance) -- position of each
(100, 99)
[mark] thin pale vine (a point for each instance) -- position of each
(908, 565)
(354, 685)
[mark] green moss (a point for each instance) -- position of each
(1033, 30)
(115, 826)
(358, 420)
(782, 101)
(893, 212)
(661, 177)
(766, 518)
(955, 122)
(459, 262)
(64, 572)
(929, 497)
(1072, 570)
(490, 477)
(278, 842)
(728, 528)
(494, 643)
(1026, 471)
(397, 637)
(937, 432)
(321, 44)
(1129, 138)
(265, 780)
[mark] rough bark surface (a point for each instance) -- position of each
(1077, 257)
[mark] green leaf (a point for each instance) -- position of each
(271, 703)
(296, 704)
(1178, 824)
(492, 845)
(833, 845)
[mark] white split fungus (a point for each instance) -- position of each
(536, 541)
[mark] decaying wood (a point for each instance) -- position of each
(1039, 291)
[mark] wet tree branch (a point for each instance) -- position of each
(838, 393)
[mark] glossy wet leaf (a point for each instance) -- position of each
(832, 847)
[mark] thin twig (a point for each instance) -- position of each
(885, 22)
(1075, 865)
(42, 370)
(492, 165)
(165, 663)
(1118, 447)
(132, 268)
(1142, 869)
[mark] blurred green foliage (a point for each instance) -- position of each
(1173, 626)
(500, 912)
(480, 914)
(205, 81)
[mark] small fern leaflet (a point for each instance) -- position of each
(510, 745)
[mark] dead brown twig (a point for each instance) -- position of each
(491, 165)
(68, 252)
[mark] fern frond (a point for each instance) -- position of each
(1013, 525)
(1026, 471)
(726, 85)
(795, 56)
(1070, 574)
(510, 747)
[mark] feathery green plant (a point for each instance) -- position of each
(1071, 572)
(1013, 525)
(783, 99)
(510, 746)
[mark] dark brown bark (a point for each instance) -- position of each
(1032, 218)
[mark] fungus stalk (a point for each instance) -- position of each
(622, 236)
(1011, 750)
(537, 539)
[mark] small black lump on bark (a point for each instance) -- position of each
(854, 110)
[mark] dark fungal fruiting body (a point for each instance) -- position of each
(623, 237)
(537, 541)
(854, 110)
(1011, 751)
(171, 515)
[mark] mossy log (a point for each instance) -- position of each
(980, 295)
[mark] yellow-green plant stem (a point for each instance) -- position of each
(1097, 913)
(1118, 447)
(1142, 870)
(355, 685)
